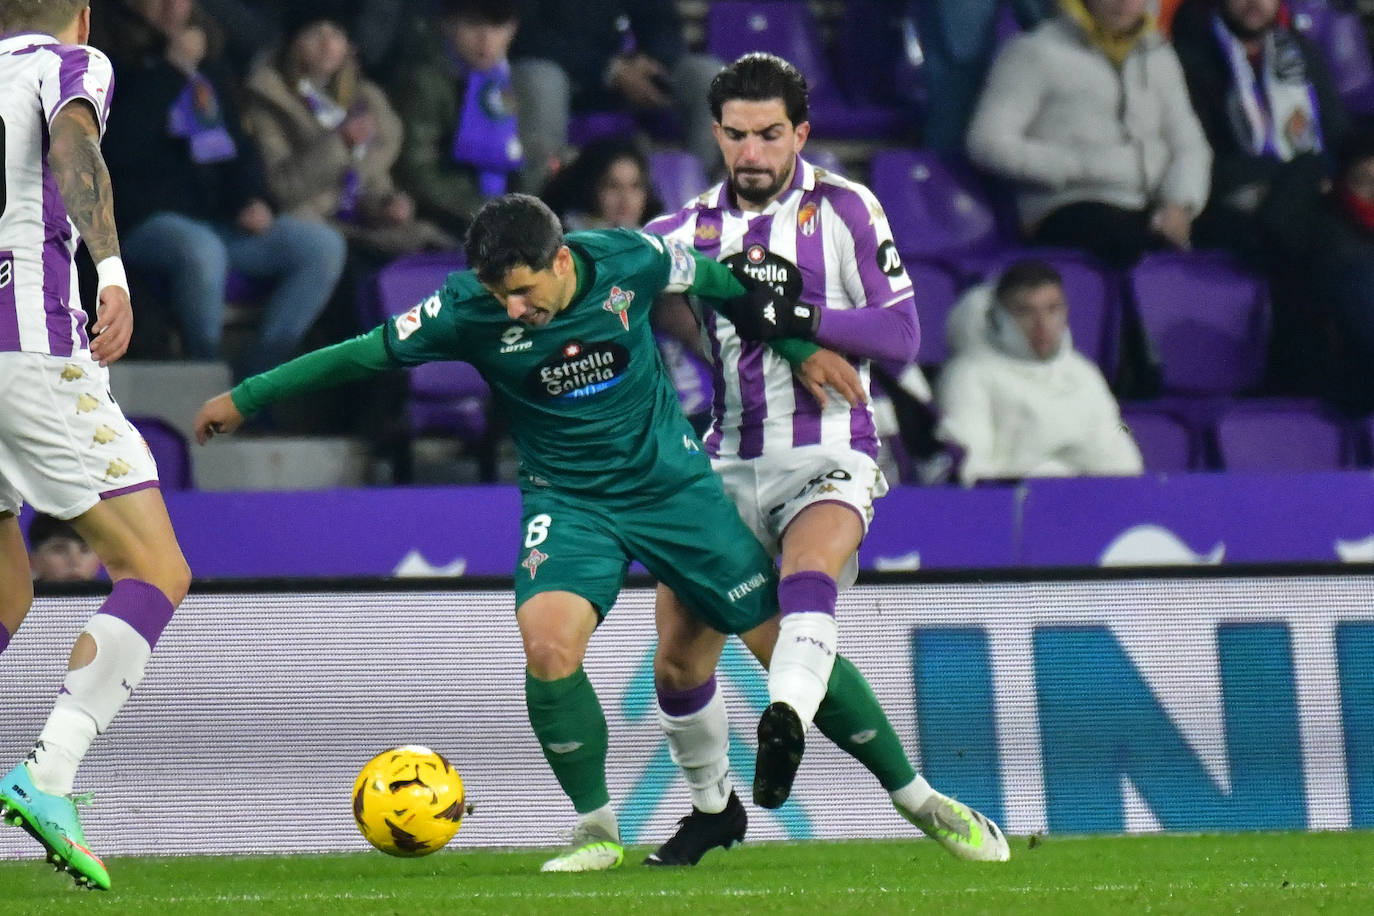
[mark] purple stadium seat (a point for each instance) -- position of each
(1166, 442)
(169, 450)
(677, 176)
(823, 157)
(1256, 436)
(788, 29)
(1341, 37)
(1207, 318)
(445, 396)
(935, 205)
(593, 125)
(1093, 291)
(936, 289)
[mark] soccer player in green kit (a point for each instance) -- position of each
(610, 469)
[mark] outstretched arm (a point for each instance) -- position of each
(84, 183)
(334, 365)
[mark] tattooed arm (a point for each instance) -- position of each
(84, 182)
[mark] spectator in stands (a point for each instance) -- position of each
(193, 203)
(328, 137)
(1089, 113)
(58, 554)
(1340, 255)
(454, 97)
(606, 186)
(1016, 395)
(1270, 110)
(958, 38)
(573, 57)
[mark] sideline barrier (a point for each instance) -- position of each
(1180, 700)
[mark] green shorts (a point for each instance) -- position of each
(692, 541)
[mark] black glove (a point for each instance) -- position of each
(763, 313)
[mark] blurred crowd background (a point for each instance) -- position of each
(1197, 176)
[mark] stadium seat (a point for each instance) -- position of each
(448, 396)
(408, 280)
(935, 205)
(1341, 37)
(936, 289)
(677, 176)
(1166, 442)
(170, 451)
(1256, 436)
(1092, 289)
(823, 157)
(1207, 319)
(788, 29)
(583, 128)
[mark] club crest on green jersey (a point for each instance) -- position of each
(532, 561)
(618, 303)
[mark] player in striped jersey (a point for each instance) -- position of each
(64, 444)
(802, 473)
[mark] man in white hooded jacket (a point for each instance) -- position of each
(1017, 396)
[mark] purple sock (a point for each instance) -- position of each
(4, 637)
(807, 592)
(678, 703)
(141, 606)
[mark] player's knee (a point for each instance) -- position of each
(677, 670)
(550, 658)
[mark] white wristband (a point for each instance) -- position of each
(110, 272)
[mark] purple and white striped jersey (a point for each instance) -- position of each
(40, 308)
(835, 232)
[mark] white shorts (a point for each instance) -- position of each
(64, 443)
(770, 490)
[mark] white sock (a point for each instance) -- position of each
(91, 696)
(60, 748)
(913, 795)
(802, 660)
(700, 744)
(603, 817)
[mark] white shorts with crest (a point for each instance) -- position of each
(64, 443)
(771, 490)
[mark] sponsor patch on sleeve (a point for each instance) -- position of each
(408, 323)
(682, 271)
(889, 262)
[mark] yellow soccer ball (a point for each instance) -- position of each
(408, 801)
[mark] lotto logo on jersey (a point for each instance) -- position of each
(511, 340)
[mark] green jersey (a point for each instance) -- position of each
(586, 397)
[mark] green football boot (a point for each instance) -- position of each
(52, 821)
(592, 849)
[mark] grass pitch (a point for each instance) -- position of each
(1237, 873)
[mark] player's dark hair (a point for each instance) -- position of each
(1027, 273)
(513, 230)
(758, 77)
(45, 528)
(50, 16)
(479, 12)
